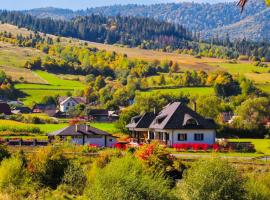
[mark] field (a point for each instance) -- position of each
(108, 127)
(14, 56)
(261, 145)
(55, 86)
(193, 91)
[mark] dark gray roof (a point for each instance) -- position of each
(79, 130)
(99, 112)
(178, 116)
(142, 121)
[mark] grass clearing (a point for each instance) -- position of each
(14, 56)
(193, 91)
(261, 145)
(16, 73)
(55, 86)
(108, 127)
(44, 128)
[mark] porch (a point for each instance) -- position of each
(146, 137)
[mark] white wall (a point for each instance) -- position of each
(209, 136)
(100, 141)
(64, 107)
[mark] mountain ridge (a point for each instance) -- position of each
(209, 19)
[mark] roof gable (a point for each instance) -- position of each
(178, 116)
(79, 130)
(142, 121)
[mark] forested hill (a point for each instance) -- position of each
(208, 18)
(131, 31)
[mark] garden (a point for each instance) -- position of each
(148, 172)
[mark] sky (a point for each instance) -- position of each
(80, 4)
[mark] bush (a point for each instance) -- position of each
(74, 177)
(3, 152)
(48, 166)
(258, 187)
(155, 156)
(243, 57)
(125, 179)
(212, 180)
(12, 173)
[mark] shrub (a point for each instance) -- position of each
(3, 152)
(155, 156)
(258, 187)
(125, 179)
(74, 177)
(243, 57)
(12, 173)
(48, 166)
(213, 180)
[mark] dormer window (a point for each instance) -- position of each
(190, 121)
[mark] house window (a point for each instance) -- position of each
(198, 137)
(191, 122)
(182, 137)
(110, 140)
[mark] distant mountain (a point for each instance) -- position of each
(220, 19)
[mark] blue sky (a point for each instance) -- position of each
(79, 4)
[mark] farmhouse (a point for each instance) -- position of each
(66, 103)
(102, 115)
(83, 134)
(175, 124)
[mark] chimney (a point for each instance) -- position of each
(154, 111)
(86, 128)
(76, 128)
(195, 106)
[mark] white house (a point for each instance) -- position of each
(175, 124)
(66, 103)
(85, 135)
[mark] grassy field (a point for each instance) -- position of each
(14, 56)
(55, 86)
(193, 91)
(45, 128)
(261, 145)
(16, 73)
(108, 127)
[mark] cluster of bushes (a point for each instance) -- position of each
(147, 173)
(20, 129)
(30, 119)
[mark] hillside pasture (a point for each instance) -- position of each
(192, 91)
(56, 86)
(14, 56)
(28, 76)
(242, 67)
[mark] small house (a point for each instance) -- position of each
(175, 124)
(41, 108)
(85, 135)
(102, 115)
(66, 103)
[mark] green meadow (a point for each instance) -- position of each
(54, 86)
(261, 145)
(192, 91)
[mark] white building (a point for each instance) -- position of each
(66, 103)
(85, 135)
(175, 124)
